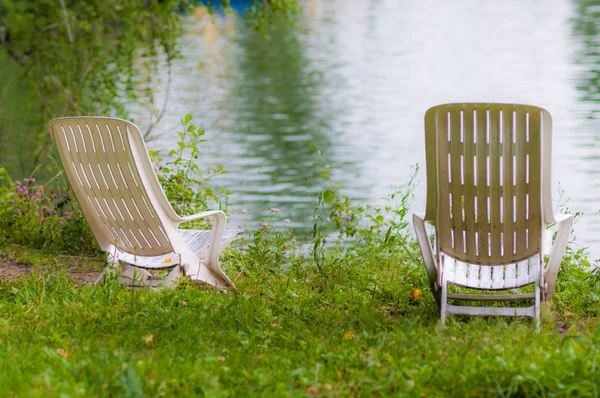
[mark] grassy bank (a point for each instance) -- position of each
(351, 329)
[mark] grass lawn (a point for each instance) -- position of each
(348, 329)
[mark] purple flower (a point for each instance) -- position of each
(348, 218)
(32, 180)
(274, 210)
(337, 214)
(12, 202)
(18, 183)
(26, 180)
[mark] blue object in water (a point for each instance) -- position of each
(238, 5)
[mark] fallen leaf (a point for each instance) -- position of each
(312, 391)
(349, 335)
(149, 338)
(62, 352)
(415, 294)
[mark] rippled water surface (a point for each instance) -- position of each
(354, 79)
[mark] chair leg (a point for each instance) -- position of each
(444, 302)
(173, 277)
(112, 270)
(537, 309)
(201, 271)
(134, 276)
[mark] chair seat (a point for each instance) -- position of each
(492, 277)
(196, 240)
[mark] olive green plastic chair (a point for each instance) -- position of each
(107, 164)
(489, 202)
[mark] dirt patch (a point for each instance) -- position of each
(11, 270)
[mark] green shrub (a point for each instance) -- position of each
(185, 184)
(43, 216)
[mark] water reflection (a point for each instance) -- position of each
(586, 37)
(281, 114)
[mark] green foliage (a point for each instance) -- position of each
(185, 184)
(80, 55)
(41, 216)
(266, 12)
(76, 58)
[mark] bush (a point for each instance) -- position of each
(43, 216)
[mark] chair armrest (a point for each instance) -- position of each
(218, 226)
(215, 213)
(427, 252)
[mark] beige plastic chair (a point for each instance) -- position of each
(107, 164)
(488, 199)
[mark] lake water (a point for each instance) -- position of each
(355, 77)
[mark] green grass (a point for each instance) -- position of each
(350, 329)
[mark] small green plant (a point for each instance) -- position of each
(185, 184)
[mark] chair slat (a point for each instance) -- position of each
(473, 276)
(508, 149)
(485, 276)
(497, 276)
(510, 276)
(496, 188)
(443, 221)
(470, 188)
(523, 272)
(456, 187)
(483, 190)
(534, 187)
(520, 223)
(461, 273)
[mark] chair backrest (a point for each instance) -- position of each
(488, 180)
(107, 164)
